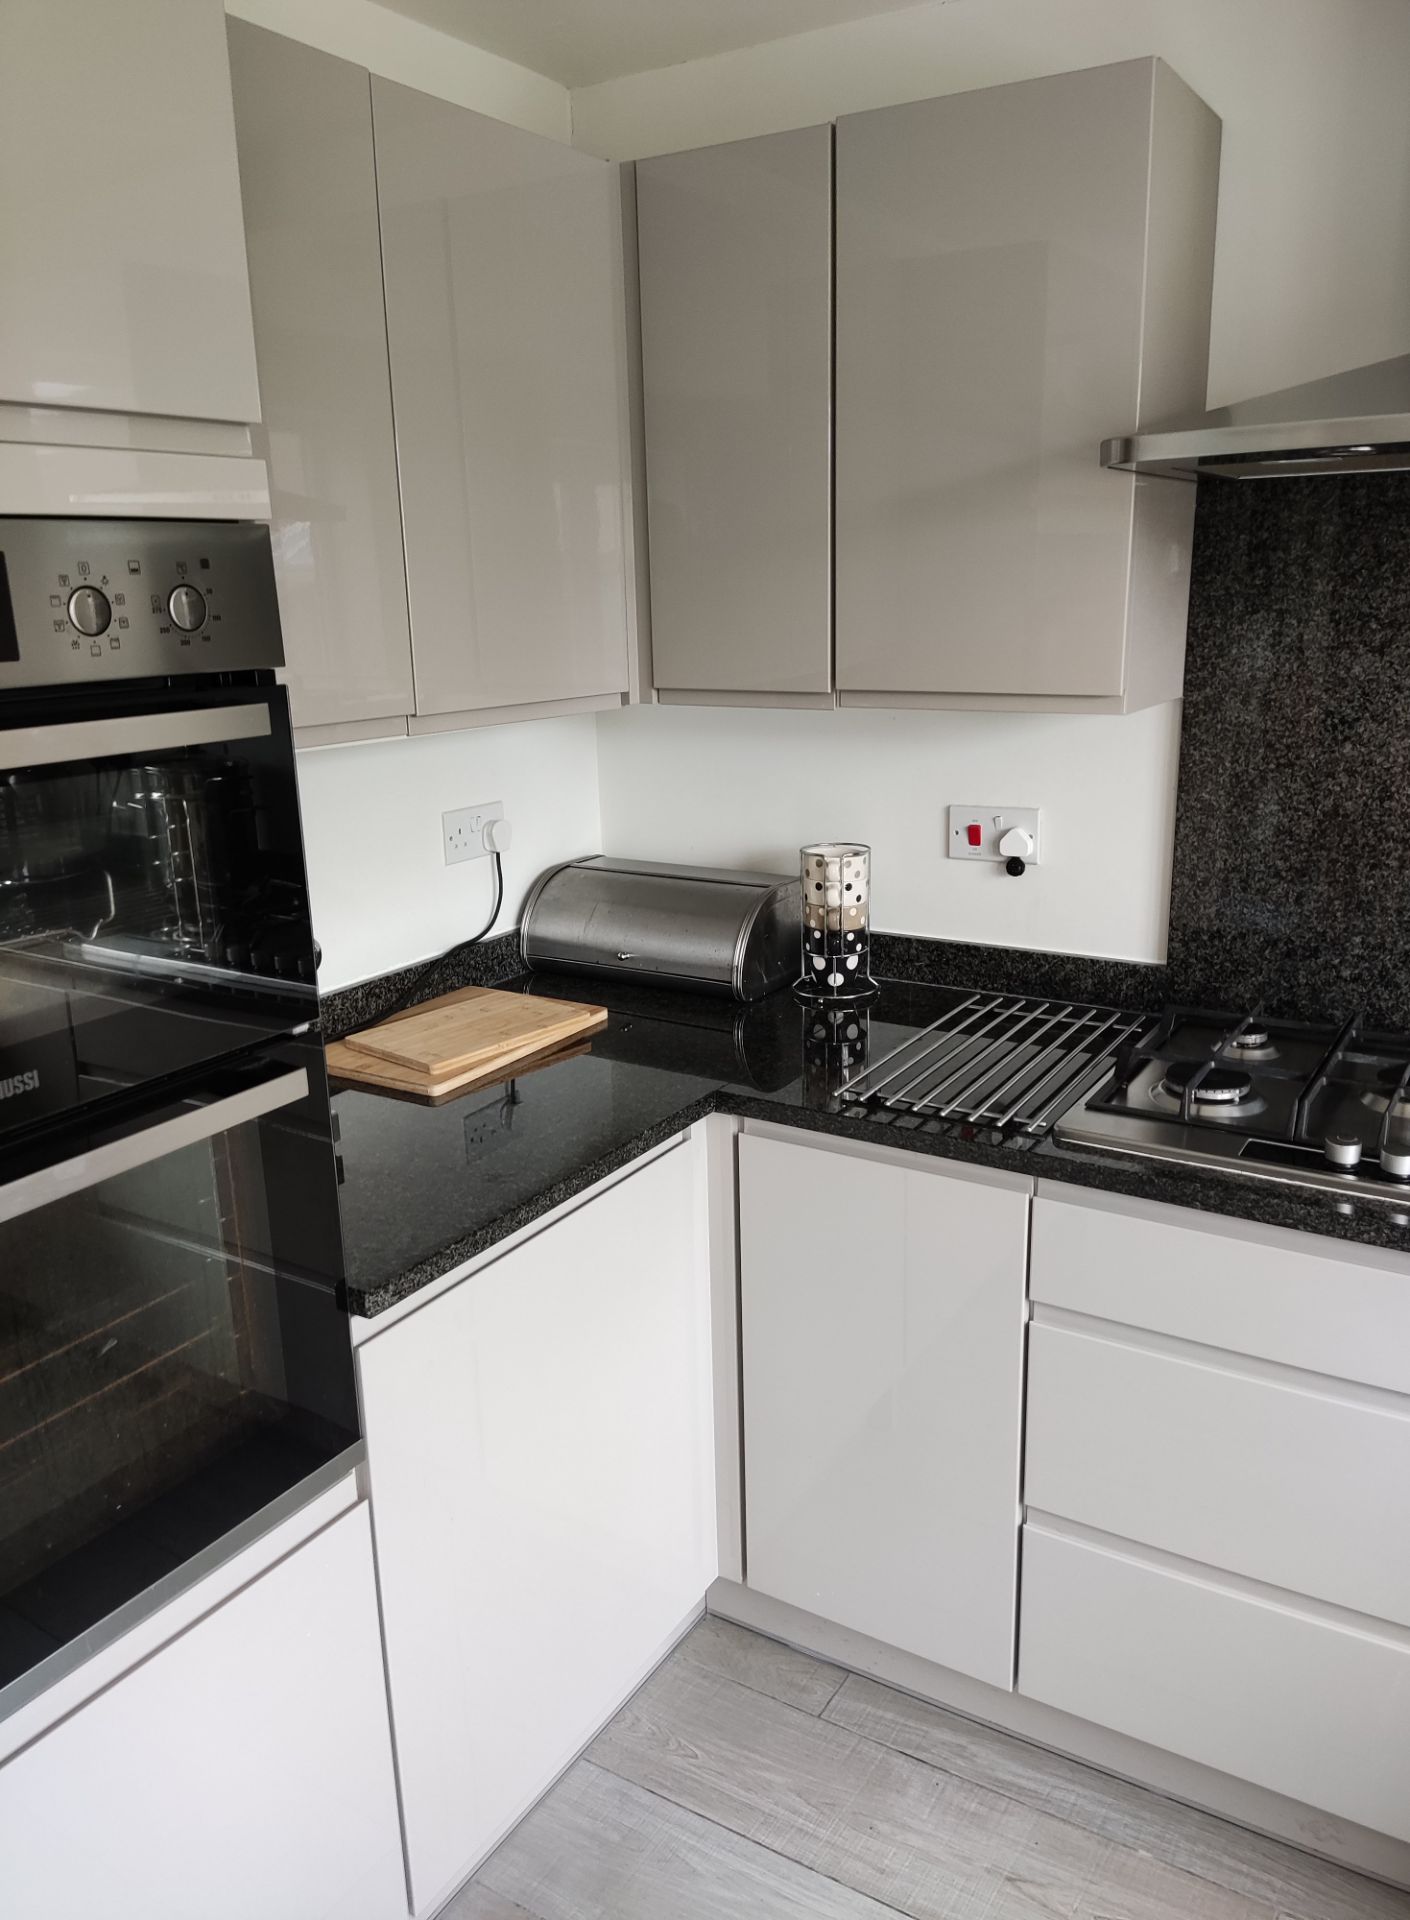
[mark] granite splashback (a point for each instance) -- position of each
(1290, 884)
(349, 1008)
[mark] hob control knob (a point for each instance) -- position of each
(89, 611)
(1342, 1149)
(1396, 1161)
(187, 607)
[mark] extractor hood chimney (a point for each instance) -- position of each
(1357, 422)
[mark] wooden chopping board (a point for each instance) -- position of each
(476, 1031)
(346, 1064)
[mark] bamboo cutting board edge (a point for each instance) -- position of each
(413, 1042)
(351, 1068)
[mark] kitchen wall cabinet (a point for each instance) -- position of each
(882, 1326)
(308, 178)
(1021, 271)
(735, 267)
(1217, 1486)
(540, 1450)
(502, 262)
(122, 252)
(244, 1768)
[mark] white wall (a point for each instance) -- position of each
(745, 787)
(382, 894)
(1312, 270)
(404, 50)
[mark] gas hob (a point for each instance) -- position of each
(1317, 1106)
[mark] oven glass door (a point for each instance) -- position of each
(174, 1349)
(153, 905)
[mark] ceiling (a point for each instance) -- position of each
(579, 42)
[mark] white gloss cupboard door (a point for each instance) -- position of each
(308, 178)
(122, 251)
(501, 252)
(542, 1470)
(1308, 1701)
(882, 1324)
(735, 265)
(243, 1769)
(1018, 267)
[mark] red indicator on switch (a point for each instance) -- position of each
(976, 834)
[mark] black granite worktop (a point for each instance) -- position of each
(425, 1188)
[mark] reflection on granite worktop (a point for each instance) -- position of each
(427, 1187)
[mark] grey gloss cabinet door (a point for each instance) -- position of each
(122, 259)
(304, 124)
(735, 265)
(1017, 267)
(501, 256)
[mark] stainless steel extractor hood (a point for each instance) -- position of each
(1357, 422)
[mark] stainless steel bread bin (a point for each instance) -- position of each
(710, 928)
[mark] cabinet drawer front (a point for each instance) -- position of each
(1292, 1297)
(1292, 1702)
(1283, 1481)
(882, 1332)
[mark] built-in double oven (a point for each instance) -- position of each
(175, 1366)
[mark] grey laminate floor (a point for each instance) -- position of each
(745, 1779)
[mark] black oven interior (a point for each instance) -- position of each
(173, 1357)
(153, 902)
(177, 855)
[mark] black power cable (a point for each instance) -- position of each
(409, 992)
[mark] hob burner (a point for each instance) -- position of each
(1220, 1087)
(1251, 1040)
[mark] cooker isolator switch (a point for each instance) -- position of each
(187, 607)
(89, 611)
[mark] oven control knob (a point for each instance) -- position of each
(1342, 1149)
(187, 607)
(89, 611)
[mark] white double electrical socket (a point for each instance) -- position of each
(463, 830)
(975, 832)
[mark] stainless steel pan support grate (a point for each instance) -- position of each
(997, 1060)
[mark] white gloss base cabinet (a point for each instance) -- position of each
(542, 1474)
(1217, 1482)
(882, 1323)
(243, 1769)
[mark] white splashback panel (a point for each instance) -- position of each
(742, 787)
(382, 893)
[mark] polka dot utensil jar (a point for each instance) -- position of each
(836, 880)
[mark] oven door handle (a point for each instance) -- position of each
(136, 734)
(84, 1170)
